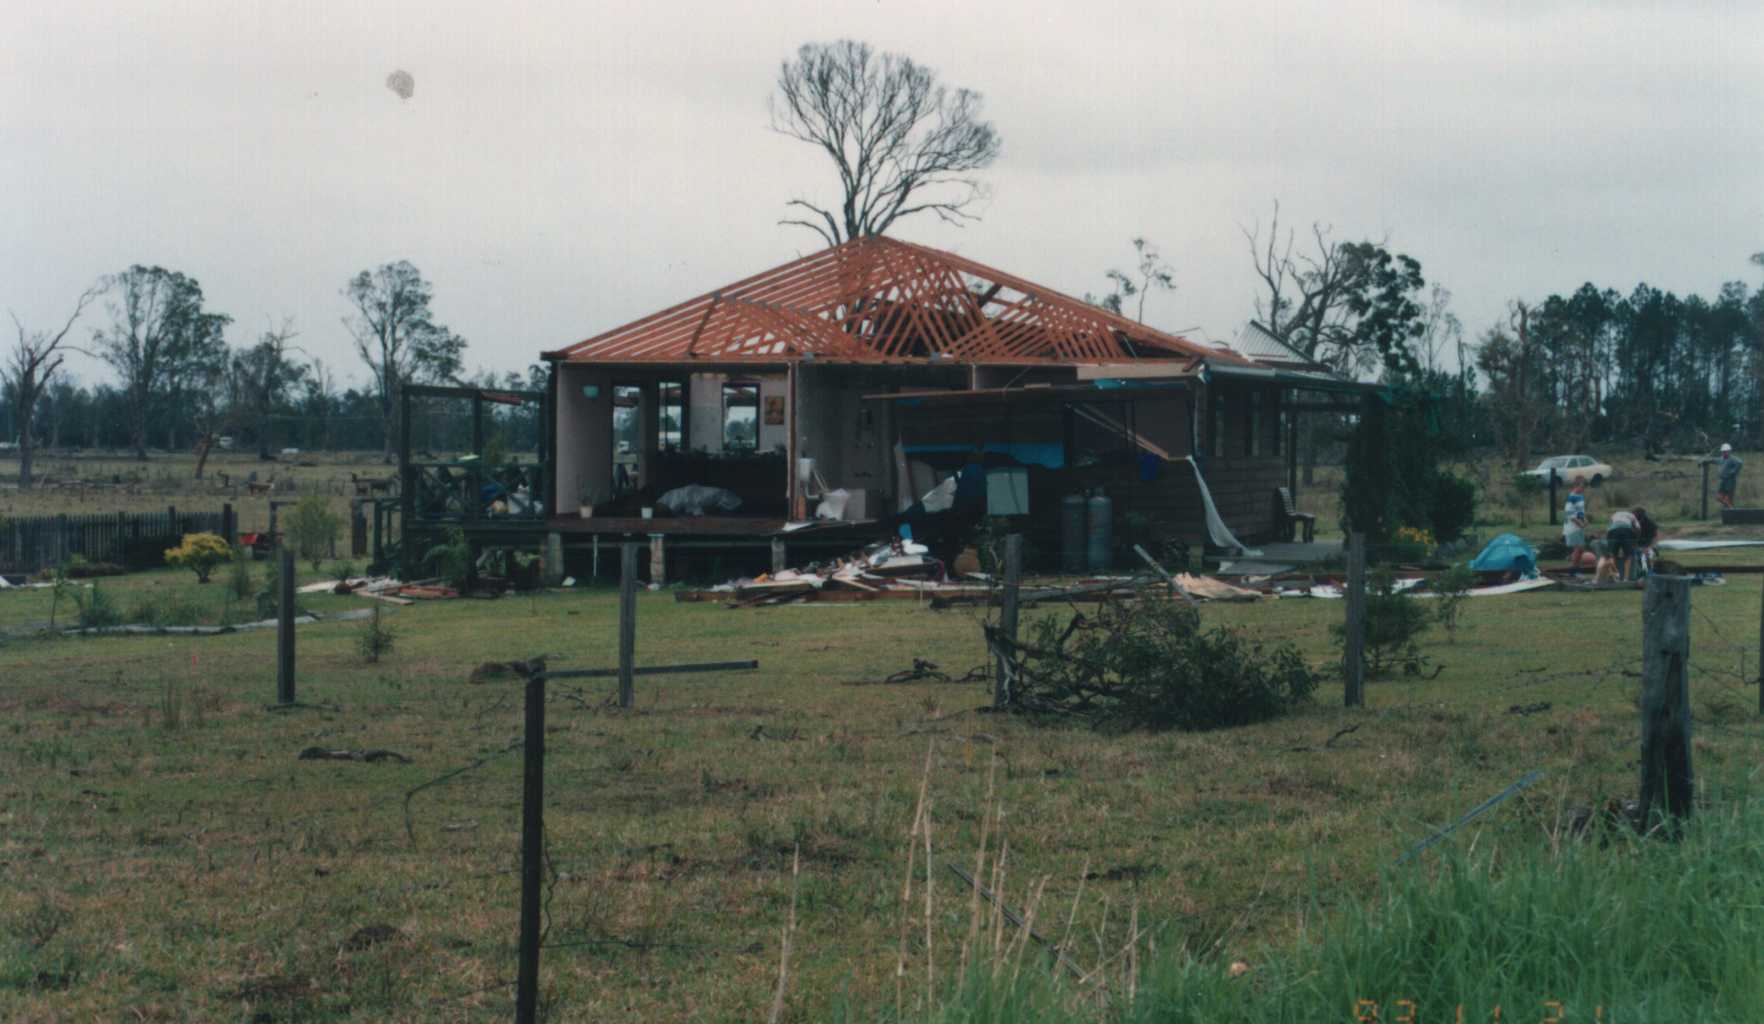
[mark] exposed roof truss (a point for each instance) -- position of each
(883, 300)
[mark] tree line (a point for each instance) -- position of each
(180, 384)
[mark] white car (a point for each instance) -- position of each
(1573, 469)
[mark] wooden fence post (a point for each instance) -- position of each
(1705, 513)
(1665, 699)
(627, 622)
(1002, 677)
(285, 627)
(1353, 657)
(658, 559)
(532, 853)
(1553, 495)
(229, 524)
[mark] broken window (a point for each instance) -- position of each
(741, 416)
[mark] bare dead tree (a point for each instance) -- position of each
(1305, 298)
(30, 371)
(1441, 332)
(901, 141)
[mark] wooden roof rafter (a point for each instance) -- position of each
(883, 300)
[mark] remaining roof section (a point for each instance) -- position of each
(1255, 342)
(879, 300)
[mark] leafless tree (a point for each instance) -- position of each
(36, 358)
(1441, 332)
(902, 142)
(1305, 298)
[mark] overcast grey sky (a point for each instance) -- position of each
(565, 167)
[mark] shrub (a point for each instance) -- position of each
(452, 558)
(376, 638)
(199, 553)
(1453, 506)
(239, 573)
(97, 610)
(1149, 665)
(1393, 621)
(341, 571)
(1453, 586)
(311, 529)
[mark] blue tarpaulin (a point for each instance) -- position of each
(1507, 553)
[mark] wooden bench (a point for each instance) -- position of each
(1290, 519)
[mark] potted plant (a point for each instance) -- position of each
(586, 502)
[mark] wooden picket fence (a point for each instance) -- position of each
(133, 540)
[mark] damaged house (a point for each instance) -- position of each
(842, 388)
(882, 388)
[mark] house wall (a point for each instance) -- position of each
(1249, 463)
(584, 436)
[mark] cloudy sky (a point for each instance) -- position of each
(565, 167)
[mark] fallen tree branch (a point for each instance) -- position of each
(370, 756)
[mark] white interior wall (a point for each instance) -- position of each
(584, 436)
(706, 411)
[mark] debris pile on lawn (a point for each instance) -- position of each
(893, 568)
(383, 588)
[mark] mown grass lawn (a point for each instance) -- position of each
(165, 856)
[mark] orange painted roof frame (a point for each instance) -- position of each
(882, 300)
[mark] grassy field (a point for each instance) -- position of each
(166, 856)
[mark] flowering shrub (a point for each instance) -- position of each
(200, 553)
(1414, 535)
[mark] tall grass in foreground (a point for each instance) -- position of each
(1630, 932)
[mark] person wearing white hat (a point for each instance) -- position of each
(1730, 469)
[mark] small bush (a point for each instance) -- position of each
(199, 553)
(1453, 586)
(97, 610)
(1453, 506)
(341, 571)
(1149, 665)
(451, 559)
(239, 582)
(311, 529)
(1393, 622)
(376, 638)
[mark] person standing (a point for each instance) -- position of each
(1729, 479)
(1574, 524)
